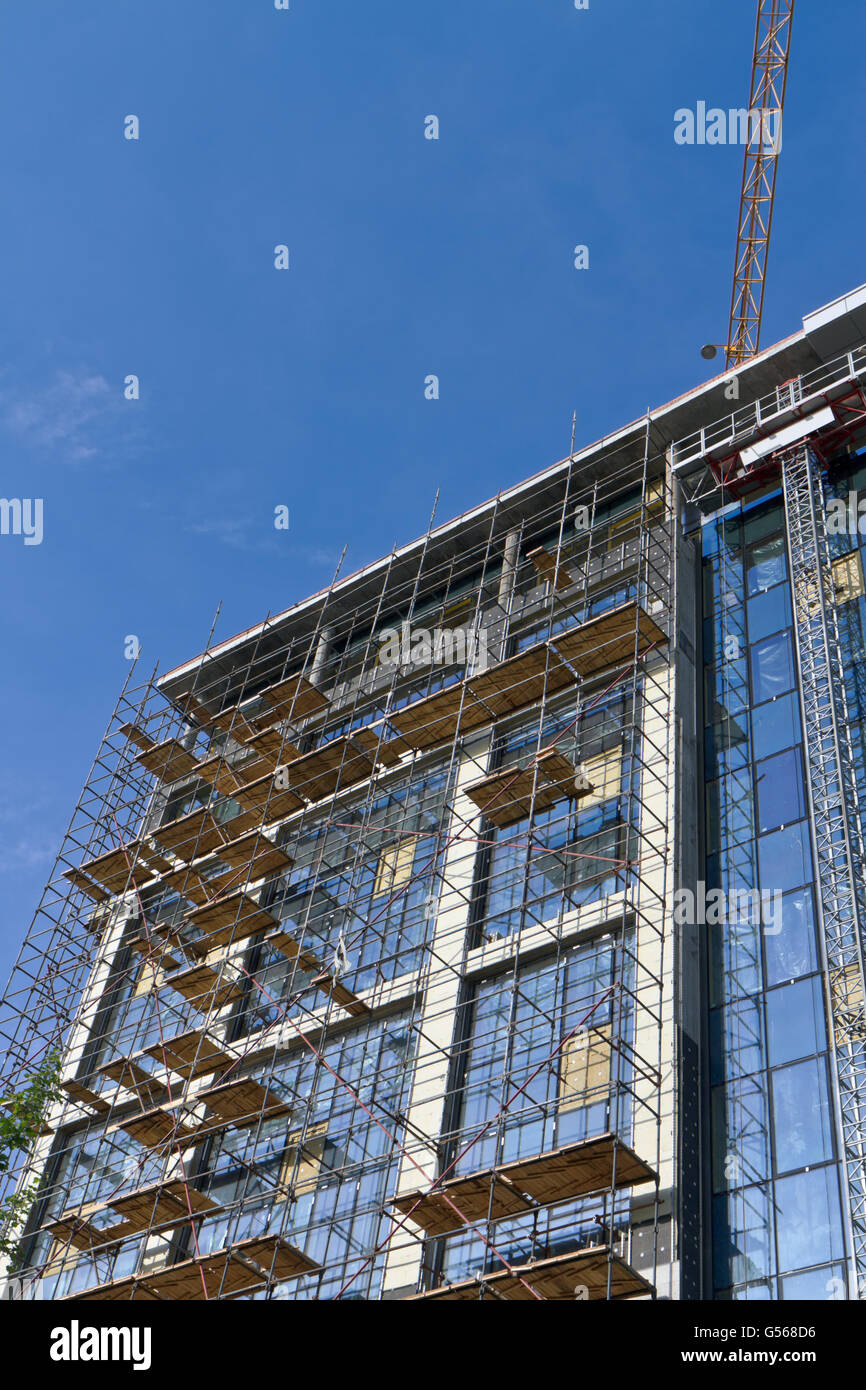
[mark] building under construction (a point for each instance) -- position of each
(368, 958)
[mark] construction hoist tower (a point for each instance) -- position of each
(837, 835)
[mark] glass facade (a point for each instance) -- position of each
(777, 1215)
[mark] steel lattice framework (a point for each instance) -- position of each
(836, 825)
(760, 165)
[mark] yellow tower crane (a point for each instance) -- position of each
(758, 189)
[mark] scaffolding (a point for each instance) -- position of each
(360, 967)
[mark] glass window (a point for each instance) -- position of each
(731, 532)
(752, 1293)
(740, 1134)
(801, 1114)
(808, 1219)
(781, 794)
(772, 665)
(733, 868)
(785, 858)
(184, 802)
(723, 531)
(817, 1285)
(795, 1021)
(742, 1243)
(789, 940)
(769, 611)
(730, 809)
(565, 1097)
(593, 868)
(776, 726)
(726, 689)
(762, 520)
(765, 564)
(736, 1035)
(735, 960)
(726, 746)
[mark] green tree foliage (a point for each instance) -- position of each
(22, 1115)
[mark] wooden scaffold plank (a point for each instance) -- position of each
(554, 1279)
(575, 1170)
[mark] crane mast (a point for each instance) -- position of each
(760, 164)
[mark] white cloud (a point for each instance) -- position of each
(67, 417)
(232, 531)
(26, 852)
(318, 555)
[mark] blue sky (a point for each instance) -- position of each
(407, 257)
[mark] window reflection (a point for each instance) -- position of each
(765, 564)
(828, 1284)
(795, 1021)
(726, 746)
(752, 1293)
(740, 1134)
(772, 664)
(736, 1035)
(775, 726)
(781, 793)
(742, 1236)
(785, 858)
(790, 952)
(801, 1111)
(809, 1219)
(768, 612)
(762, 520)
